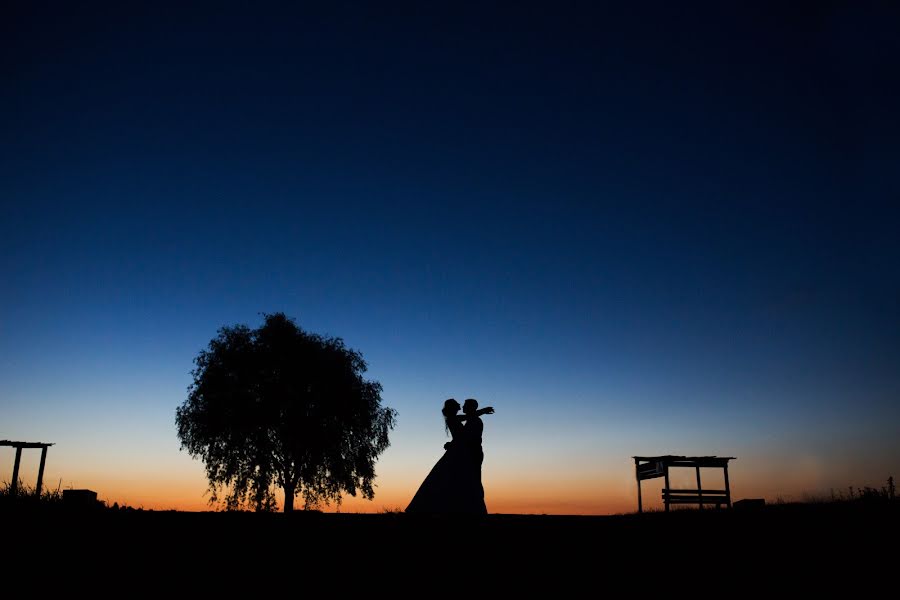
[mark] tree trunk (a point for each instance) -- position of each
(289, 490)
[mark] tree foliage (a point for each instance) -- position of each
(279, 407)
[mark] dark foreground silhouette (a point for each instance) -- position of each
(767, 552)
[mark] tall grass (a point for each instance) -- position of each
(25, 494)
(886, 493)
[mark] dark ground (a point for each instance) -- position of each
(776, 550)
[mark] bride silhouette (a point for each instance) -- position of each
(454, 483)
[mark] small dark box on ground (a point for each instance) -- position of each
(80, 498)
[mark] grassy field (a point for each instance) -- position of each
(798, 547)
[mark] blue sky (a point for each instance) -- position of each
(631, 233)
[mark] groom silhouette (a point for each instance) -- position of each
(472, 436)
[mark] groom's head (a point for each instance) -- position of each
(470, 406)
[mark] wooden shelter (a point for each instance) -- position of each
(650, 467)
(14, 488)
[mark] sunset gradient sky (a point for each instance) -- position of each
(666, 231)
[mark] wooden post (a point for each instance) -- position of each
(668, 490)
(727, 486)
(637, 474)
(15, 480)
(40, 482)
(699, 489)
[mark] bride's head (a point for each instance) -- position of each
(451, 407)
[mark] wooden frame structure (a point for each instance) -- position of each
(650, 467)
(14, 487)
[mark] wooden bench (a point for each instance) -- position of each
(699, 497)
(650, 467)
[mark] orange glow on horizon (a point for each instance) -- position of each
(609, 490)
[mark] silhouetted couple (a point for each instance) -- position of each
(454, 484)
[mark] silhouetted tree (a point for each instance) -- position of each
(280, 407)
